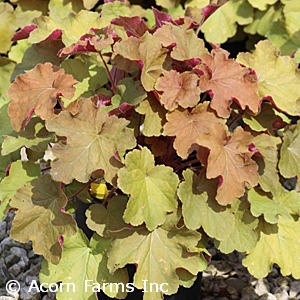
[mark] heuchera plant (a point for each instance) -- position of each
(191, 144)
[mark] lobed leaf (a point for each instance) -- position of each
(38, 90)
(92, 140)
(152, 189)
(19, 174)
(158, 255)
(277, 243)
(39, 217)
(88, 262)
(227, 81)
(178, 89)
(191, 128)
(243, 237)
(199, 207)
(148, 50)
(231, 160)
(278, 76)
(102, 220)
(289, 162)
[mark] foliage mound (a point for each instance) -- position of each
(190, 142)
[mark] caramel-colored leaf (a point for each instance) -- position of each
(38, 90)
(230, 159)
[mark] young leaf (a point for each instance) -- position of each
(147, 50)
(102, 220)
(19, 174)
(38, 89)
(289, 163)
(155, 115)
(6, 69)
(88, 262)
(39, 217)
(277, 76)
(243, 237)
(199, 207)
(152, 189)
(261, 4)
(157, 254)
(262, 204)
(278, 245)
(92, 140)
(5, 126)
(191, 127)
(178, 89)
(36, 137)
(187, 44)
(227, 81)
(231, 160)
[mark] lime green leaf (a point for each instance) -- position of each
(262, 204)
(277, 244)
(111, 10)
(289, 163)
(147, 49)
(267, 166)
(277, 76)
(102, 220)
(5, 126)
(38, 54)
(188, 45)
(6, 68)
(25, 17)
(92, 140)
(19, 174)
(243, 237)
(36, 137)
(261, 4)
(155, 116)
(8, 26)
(222, 24)
(264, 20)
(91, 77)
(17, 51)
(128, 91)
(157, 254)
(89, 4)
(263, 121)
(59, 9)
(200, 208)
(198, 3)
(39, 217)
(152, 189)
(83, 267)
(167, 3)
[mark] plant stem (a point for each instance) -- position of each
(82, 188)
(108, 73)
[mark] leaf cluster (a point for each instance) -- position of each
(191, 143)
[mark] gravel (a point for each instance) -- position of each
(224, 279)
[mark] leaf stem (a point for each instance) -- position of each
(82, 188)
(190, 162)
(112, 191)
(236, 118)
(109, 74)
(45, 169)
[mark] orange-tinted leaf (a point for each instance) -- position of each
(228, 81)
(38, 89)
(190, 128)
(230, 159)
(178, 89)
